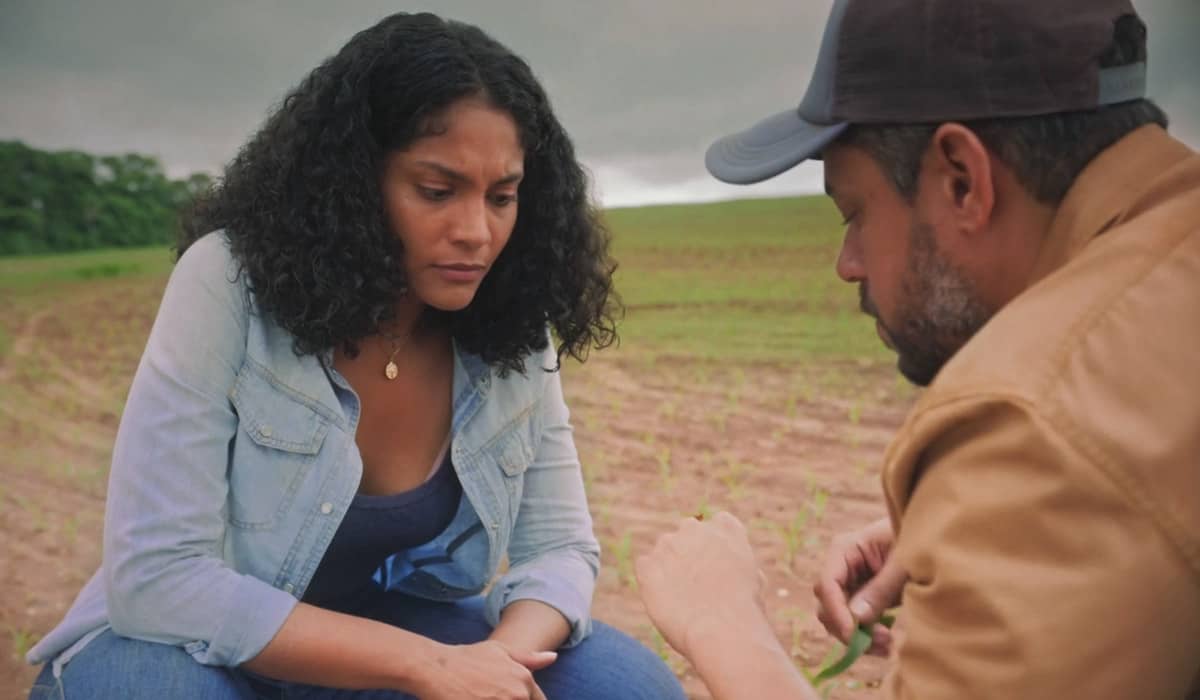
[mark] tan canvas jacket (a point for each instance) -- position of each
(1046, 487)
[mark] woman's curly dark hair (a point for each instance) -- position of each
(302, 206)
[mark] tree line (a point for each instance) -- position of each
(70, 200)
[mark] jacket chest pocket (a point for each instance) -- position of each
(278, 440)
(514, 453)
(513, 447)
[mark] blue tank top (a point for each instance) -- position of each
(374, 528)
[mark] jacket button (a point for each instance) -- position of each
(326, 508)
(288, 588)
(265, 431)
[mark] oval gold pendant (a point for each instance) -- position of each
(391, 370)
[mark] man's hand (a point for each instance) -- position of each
(858, 582)
(701, 576)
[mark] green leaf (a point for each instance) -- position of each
(860, 641)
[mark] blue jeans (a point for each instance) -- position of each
(608, 665)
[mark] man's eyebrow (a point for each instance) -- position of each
(456, 176)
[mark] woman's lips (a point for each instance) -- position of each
(461, 272)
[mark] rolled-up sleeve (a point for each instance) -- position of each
(165, 516)
(1033, 574)
(554, 556)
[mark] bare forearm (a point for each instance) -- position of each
(530, 625)
(322, 647)
(741, 661)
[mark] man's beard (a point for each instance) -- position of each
(939, 310)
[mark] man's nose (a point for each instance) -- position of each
(849, 262)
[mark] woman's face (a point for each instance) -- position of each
(451, 198)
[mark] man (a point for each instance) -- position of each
(1027, 237)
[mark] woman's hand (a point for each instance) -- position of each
(701, 577)
(858, 582)
(484, 671)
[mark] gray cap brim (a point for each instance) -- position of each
(770, 147)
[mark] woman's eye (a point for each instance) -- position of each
(503, 200)
(434, 194)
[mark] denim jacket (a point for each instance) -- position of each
(235, 461)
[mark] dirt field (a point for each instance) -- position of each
(792, 450)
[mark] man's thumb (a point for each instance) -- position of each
(534, 660)
(879, 594)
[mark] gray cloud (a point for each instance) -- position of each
(643, 87)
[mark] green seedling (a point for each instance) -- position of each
(703, 510)
(70, 529)
(817, 502)
(824, 688)
(623, 551)
(597, 425)
(604, 515)
(22, 641)
(733, 477)
(793, 537)
(664, 469)
(860, 641)
(796, 617)
(659, 644)
(860, 468)
(720, 420)
(597, 465)
(667, 409)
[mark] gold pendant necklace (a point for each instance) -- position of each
(390, 370)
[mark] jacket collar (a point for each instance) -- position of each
(471, 373)
(1106, 192)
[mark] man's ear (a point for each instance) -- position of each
(964, 177)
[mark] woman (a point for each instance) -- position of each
(348, 410)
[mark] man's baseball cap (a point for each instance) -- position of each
(929, 61)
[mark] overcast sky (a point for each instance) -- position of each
(643, 86)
